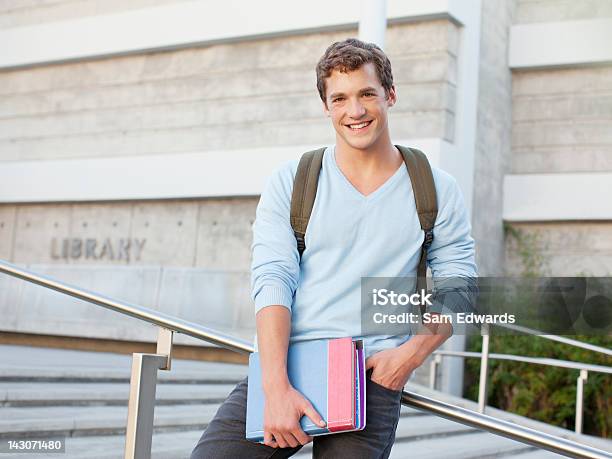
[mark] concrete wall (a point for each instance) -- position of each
(211, 234)
(530, 11)
(561, 120)
(561, 248)
(494, 135)
(217, 97)
(16, 13)
(561, 124)
(186, 258)
(216, 299)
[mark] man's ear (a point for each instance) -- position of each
(391, 96)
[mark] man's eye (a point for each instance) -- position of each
(369, 94)
(338, 99)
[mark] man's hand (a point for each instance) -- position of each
(282, 413)
(284, 406)
(392, 367)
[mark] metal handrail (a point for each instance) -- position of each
(168, 322)
(139, 312)
(484, 364)
(499, 426)
(536, 360)
(485, 355)
(559, 339)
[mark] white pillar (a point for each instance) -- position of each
(373, 22)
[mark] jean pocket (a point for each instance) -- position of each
(382, 388)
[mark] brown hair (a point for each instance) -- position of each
(351, 54)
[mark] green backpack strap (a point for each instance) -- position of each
(426, 203)
(304, 193)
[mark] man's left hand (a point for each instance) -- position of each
(393, 367)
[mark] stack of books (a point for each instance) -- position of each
(329, 373)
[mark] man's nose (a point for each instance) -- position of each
(356, 109)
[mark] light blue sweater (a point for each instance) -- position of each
(350, 236)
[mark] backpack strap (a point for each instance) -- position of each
(304, 193)
(419, 170)
(426, 203)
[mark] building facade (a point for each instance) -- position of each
(136, 136)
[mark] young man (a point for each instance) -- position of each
(364, 224)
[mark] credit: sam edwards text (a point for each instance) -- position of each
(432, 318)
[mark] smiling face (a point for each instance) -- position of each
(357, 105)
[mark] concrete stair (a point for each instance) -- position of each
(83, 396)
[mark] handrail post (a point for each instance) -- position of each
(484, 363)
(164, 345)
(584, 374)
(433, 370)
(141, 405)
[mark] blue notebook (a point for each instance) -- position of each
(329, 373)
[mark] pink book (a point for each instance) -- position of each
(341, 385)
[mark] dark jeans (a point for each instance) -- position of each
(224, 438)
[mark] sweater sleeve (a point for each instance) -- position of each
(275, 267)
(451, 256)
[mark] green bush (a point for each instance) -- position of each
(542, 392)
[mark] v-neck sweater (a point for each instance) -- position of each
(350, 236)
